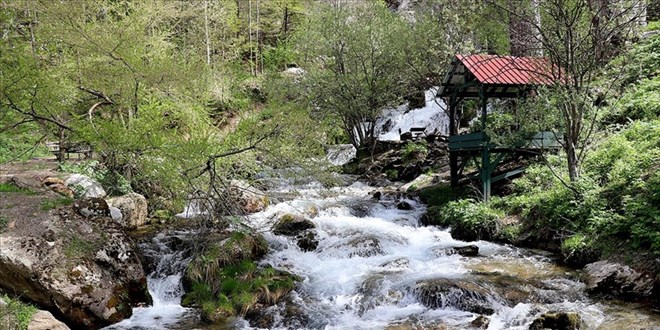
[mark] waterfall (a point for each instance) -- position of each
(164, 285)
(432, 116)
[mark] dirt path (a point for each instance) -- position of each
(29, 211)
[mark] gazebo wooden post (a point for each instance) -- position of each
(485, 152)
(453, 156)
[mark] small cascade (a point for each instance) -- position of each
(164, 285)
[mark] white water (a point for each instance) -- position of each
(341, 154)
(432, 116)
(347, 283)
(165, 289)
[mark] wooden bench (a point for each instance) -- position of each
(71, 148)
(417, 132)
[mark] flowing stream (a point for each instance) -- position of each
(376, 268)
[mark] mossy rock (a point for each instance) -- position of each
(557, 321)
(291, 225)
(223, 252)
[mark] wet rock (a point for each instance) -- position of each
(481, 322)
(466, 251)
(292, 316)
(364, 247)
(86, 272)
(396, 264)
(377, 195)
(44, 320)
(92, 207)
(404, 205)
(456, 293)
(307, 241)
(291, 225)
(616, 280)
(556, 321)
(249, 198)
(88, 187)
(360, 208)
(469, 232)
(133, 209)
(310, 210)
(372, 294)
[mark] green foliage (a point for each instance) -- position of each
(414, 150)
(49, 204)
(440, 194)
(15, 314)
(19, 144)
(238, 287)
(470, 219)
(637, 92)
(616, 197)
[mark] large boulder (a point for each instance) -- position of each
(249, 198)
(444, 292)
(133, 209)
(83, 269)
(85, 186)
(616, 280)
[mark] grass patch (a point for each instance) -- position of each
(15, 315)
(4, 222)
(50, 204)
(11, 188)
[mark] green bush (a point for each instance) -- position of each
(471, 220)
(15, 314)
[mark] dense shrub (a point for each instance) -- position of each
(470, 220)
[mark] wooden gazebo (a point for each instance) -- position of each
(491, 76)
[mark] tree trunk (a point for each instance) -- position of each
(571, 154)
(521, 30)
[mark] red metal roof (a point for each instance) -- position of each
(510, 70)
